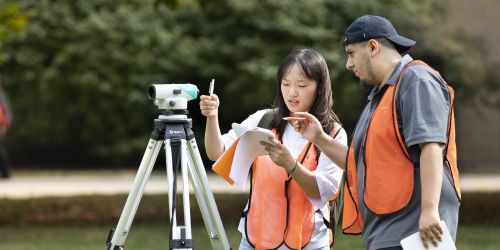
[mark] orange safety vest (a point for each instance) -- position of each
(388, 166)
(278, 209)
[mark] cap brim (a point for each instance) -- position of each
(403, 44)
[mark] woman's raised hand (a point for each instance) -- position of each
(209, 105)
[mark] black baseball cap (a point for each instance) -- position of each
(371, 27)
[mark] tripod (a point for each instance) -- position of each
(175, 131)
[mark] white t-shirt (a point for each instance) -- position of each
(327, 173)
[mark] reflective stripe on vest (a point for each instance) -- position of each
(269, 221)
(388, 167)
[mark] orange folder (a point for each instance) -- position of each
(223, 166)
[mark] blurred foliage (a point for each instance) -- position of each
(77, 76)
(12, 21)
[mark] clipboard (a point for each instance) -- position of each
(413, 242)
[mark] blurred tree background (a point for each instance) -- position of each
(78, 71)
(12, 21)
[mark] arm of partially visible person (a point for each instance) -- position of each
(431, 177)
(312, 131)
(214, 145)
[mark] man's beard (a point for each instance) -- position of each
(365, 85)
(369, 83)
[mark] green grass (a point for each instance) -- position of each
(155, 236)
(84, 222)
(142, 236)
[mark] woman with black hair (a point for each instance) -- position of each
(290, 187)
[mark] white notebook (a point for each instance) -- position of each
(413, 242)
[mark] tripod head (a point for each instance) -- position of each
(172, 98)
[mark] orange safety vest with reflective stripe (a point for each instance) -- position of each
(389, 169)
(278, 210)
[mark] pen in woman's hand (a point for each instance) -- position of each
(294, 118)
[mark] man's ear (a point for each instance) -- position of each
(373, 46)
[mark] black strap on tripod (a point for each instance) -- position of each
(181, 243)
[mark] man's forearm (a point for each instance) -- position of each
(334, 150)
(431, 174)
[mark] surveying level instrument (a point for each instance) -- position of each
(173, 128)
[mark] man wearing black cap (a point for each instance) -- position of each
(401, 165)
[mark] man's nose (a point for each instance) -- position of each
(349, 65)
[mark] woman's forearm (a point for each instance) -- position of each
(306, 179)
(214, 145)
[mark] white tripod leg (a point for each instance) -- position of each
(173, 129)
(206, 201)
(119, 234)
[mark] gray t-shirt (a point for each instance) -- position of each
(423, 104)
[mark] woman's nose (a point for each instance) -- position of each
(293, 91)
